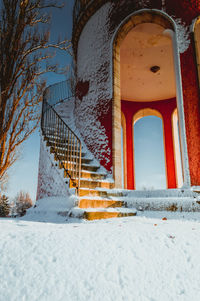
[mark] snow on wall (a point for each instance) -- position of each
(93, 61)
(51, 181)
(93, 111)
(183, 35)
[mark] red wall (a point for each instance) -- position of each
(192, 113)
(165, 108)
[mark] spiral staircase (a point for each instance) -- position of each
(93, 188)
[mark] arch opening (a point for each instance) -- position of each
(149, 156)
(144, 78)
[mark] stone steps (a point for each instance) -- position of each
(101, 213)
(95, 191)
(92, 184)
(63, 150)
(99, 203)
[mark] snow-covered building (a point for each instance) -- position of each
(133, 58)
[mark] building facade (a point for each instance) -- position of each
(138, 57)
(132, 59)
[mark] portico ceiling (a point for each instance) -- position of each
(145, 47)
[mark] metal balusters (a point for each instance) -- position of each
(74, 159)
(79, 166)
(66, 145)
(68, 150)
(77, 158)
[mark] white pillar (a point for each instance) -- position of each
(181, 116)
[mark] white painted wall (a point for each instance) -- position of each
(94, 60)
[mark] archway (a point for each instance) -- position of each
(154, 27)
(149, 156)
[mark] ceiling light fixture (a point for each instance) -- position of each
(155, 69)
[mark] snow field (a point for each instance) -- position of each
(142, 258)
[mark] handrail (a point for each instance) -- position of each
(64, 142)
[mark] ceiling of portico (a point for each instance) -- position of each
(144, 47)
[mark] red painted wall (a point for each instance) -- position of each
(165, 108)
(192, 113)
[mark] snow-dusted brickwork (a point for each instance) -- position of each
(94, 66)
(51, 181)
(94, 60)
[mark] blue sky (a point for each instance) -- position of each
(23, 174)
(149, 155)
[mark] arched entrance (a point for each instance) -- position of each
(147, 75)
(149, 156)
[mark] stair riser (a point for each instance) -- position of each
(83, 166)
(63, 150)
(62, 143)
(89, 168)
(93, 185)
(104, 215)
(87, 175)
(73, 159)
(85, 203)
(83, 192)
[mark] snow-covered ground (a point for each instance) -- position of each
(142, 258)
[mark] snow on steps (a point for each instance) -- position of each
(171, 199)
(92, 179)
(101, 213)
(98, 200)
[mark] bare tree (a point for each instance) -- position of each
(22, 203)
(25, 55)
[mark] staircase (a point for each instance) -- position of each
(93, 188)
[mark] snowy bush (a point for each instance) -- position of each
(22, 203)
(4, 206)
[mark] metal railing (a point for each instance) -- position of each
(64, 143)
(58, 92)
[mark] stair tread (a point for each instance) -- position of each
(99, 198)
(97, 180)
(126, 198)
(116, 209)
(96, 173)
(82, 163)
